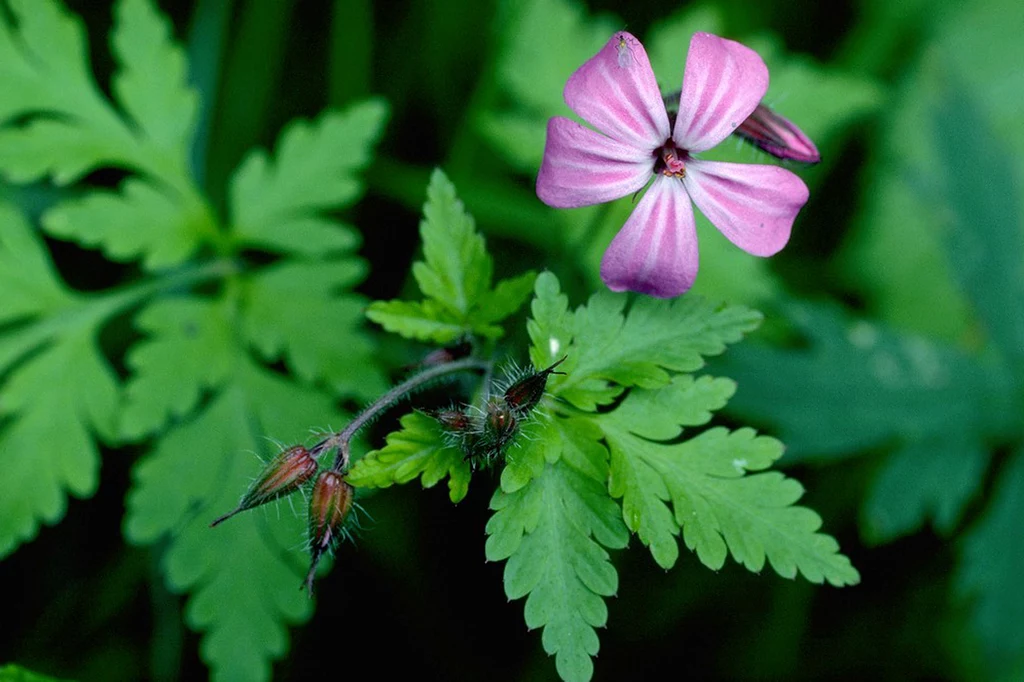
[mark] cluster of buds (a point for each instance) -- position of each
(484, 433)
(330, 498)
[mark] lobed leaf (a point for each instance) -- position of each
(314, 169)
(553, 532)
(57, 390)
(455, 276)
(418, 449)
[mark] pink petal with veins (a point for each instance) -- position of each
(754, 206)
(655, 252)
(582, 167)
(723, 83)
(615, 91)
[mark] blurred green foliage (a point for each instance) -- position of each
(891, 363)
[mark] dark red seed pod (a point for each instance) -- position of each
(523, 395)
(282, 476)
(329, 506)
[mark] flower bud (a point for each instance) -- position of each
(523, 395)
(282, 476)
(329, 505)
(456, 351)
(453, 421)
(778, 136)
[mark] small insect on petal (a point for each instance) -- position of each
(625, 52)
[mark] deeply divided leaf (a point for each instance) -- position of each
(417, 450)
(455, 275)
(553, 532)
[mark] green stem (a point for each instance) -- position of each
(342, 439)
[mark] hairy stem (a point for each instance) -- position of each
(342, 439)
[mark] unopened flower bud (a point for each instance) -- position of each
(453, 421)
(282, 476)
(329, 505)
(523, 395)
(778, 136)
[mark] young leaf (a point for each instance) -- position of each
(553, 532)
(455, 275)
(418, 449)
(612, 349)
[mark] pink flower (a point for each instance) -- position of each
(615, 92)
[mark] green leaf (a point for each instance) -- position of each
(991, 566)
(455, 275)
(456, 270)
(191, 349)
(152, 83)
(314, 169)
(66, 128)
(298, 310)
(242, 576)
(537, 443)
(931, 479)
(553, 532)
(984, 239)
(418, 449)
(27, 278)
(139, 221)
(421, 320)
(718, 507)
(858, 384)
(72, 127)
(613, 348)
(506, 298)
(57, 391)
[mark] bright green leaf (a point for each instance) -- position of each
(299, 310)
(552, 532)
(421, 320)
(314, 169)
(418, 449)
(139, 221)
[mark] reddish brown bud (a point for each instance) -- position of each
(778, 136)
(329, 505)
(453, 421)
(282, 476)
(523, 395)
(456, 351)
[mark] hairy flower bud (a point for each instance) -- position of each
(453, 421)
(778, 136)
(329, 506)
(282, 476)
(523, 395)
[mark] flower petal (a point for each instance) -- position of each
(754, 206)
(615, 91)
(582, 167)
(723, 83)
(655, 252)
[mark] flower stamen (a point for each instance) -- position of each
(671, 161)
